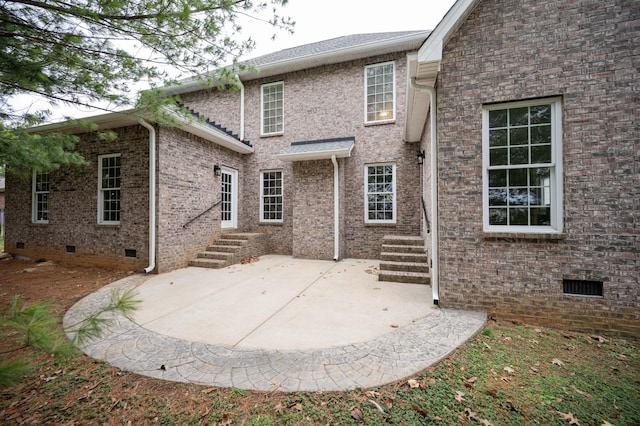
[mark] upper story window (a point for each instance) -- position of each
(272, 111)
(380, 193)
(109, 189)
(271, 199)
(380, 92)
(522, 166)
(40, 203)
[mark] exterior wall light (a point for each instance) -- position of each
(217, 171)
(421, 157)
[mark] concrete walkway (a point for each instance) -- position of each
(277, 324)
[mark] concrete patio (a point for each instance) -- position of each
(277, 323)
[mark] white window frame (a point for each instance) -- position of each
(102, 190)
(392, 117)
(263, 127)
(35, 196)
(556, 191)
(393, 193)
(263, 196)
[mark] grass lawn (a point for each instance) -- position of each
(507, 375)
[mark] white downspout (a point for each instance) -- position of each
(241, 108)
(152, 195)
(434, 189)
(336, 210)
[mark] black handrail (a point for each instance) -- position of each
(426, 218)
(204, 212)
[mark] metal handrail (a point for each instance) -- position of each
(426, 218)
(204, 212)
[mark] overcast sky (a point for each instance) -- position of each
(316, 20)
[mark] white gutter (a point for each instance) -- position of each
(434, 189)
(336, 210)
(241, 108)
(152, 196)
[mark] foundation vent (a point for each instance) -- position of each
(582, 287)
(129, 253)
(71, 249)
(19, 245)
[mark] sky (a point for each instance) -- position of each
(316, 20)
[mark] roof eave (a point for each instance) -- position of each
(425, 65)
(132, 116)
(398, 44)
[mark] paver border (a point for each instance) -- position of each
(388, 358)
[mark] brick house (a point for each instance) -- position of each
(279, 185)
(522, 115)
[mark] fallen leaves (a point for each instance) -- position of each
(356, 413)
(249, 259)
(557, 362)
(509, 370)
(568, 417)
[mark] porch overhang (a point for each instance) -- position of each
(323, 149)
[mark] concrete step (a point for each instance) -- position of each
(216, 255)
(404, 257)
(403, 240)
(395, 248)
(244, 236)
(404, 266)
(230, 242)
(208, 263)
(404, 277)
(223, 248)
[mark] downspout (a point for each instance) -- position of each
(434, 189)
(241, 108)
(336, 210)
(152, 195)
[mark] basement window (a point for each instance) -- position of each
(582, 287)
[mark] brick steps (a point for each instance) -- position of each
(403, 259)
(231, 248)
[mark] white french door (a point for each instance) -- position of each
(229, 196)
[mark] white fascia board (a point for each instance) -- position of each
(103, 121)
(431, 49)
(206, 132)
(398, 44)
(316, 155)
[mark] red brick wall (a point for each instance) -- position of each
(587, 53)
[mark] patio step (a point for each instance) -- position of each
(230, 248)
(404, 259)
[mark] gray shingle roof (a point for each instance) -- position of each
(325, 46)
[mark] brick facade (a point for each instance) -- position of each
(586, 52)
(73, 208)
(322, 103)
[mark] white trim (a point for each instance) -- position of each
(262, 196)
(262, 87)
(233, 222)
(366, 104)
(366, 194)
(555, 166)
(34, 198)
(101, 191)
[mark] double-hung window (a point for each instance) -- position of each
(380, 193)
(109, 189)
(380, 93)
(272, 111)
(522, 167)
(40, 198)
(271, 201)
